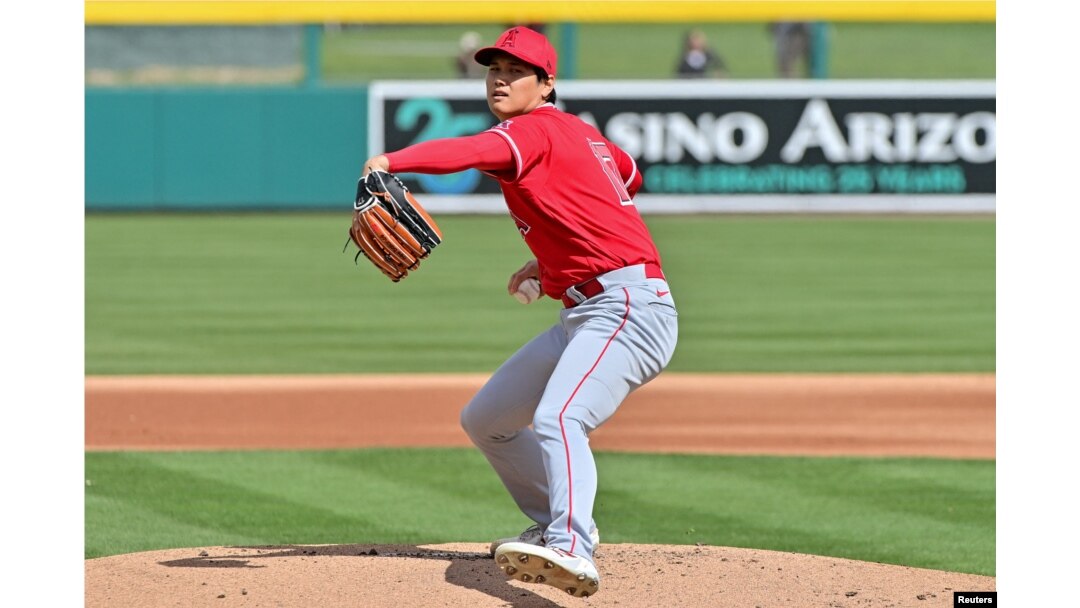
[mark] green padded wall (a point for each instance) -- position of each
(224, 148)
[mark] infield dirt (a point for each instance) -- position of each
(871, 415)
(950, 416)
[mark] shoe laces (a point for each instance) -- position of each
(533, 530)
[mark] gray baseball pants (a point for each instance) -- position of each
(565, 383)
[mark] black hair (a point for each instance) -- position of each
(542, 76)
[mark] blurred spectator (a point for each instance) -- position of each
(698, 60)
(466, 65)
(792, 39)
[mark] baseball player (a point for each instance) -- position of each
(570, 193)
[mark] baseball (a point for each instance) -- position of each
(528, 292)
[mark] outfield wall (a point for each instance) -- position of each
(803, 146)
(224, 148)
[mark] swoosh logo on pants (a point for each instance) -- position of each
(662, 293)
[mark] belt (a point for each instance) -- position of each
(593, 287)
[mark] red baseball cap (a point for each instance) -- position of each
(526, 44)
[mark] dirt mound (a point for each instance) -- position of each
(462, 574)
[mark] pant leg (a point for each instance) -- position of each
(497, 420)
(618, 341)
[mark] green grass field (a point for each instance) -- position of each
(916, 512)
(273, 293)
(855, 50)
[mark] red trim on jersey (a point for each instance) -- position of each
(562, 427)
(633, 183)
(439, 156)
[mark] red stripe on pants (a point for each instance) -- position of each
(562, 427)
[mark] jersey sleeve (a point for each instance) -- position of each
(527, 143)
(481, 151)
(627, 169)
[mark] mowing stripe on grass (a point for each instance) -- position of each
(273, 294)
(916, 512)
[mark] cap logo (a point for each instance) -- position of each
(510, 39)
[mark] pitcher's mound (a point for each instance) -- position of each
(462, 574)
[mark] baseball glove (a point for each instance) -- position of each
(390, 227)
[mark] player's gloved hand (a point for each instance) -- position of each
(390, 226)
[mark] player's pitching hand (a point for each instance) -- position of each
(525, 283)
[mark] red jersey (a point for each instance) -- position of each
(570, 196)
(568, 189)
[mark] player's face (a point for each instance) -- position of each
(513, 88)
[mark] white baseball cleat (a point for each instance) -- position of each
(532, 564)
(535, 536)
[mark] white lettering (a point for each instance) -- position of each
(934, 145)
(742, 137)
(654, 137)
(816, 128)
(683, 135)
(868, 137)
(965, 142)
(624, 130)
(667, 138)
(755, 137)
(905, 137)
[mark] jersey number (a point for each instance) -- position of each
(611, 169)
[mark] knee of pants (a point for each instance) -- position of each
(550, 424)
(480, 424)
(473, 423)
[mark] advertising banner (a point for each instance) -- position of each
(743, 145)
